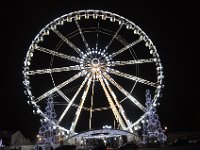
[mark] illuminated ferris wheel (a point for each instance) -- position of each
(97, 66)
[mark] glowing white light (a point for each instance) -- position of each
(135, 31)
(87, 16)
(95, 16)
(112, 19)
(159, 87)
(69, 19)
(128, 26)
(38, 111)
(78, 17)
(107, 127)
(120, 22)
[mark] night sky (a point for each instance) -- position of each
(171, 26)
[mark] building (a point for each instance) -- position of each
(15, 140)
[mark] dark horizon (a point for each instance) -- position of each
(169, 25)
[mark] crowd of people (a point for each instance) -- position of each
(104, 142)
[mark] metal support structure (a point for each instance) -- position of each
(136, 102)
(91, 105)
(120, 108)
(78, 112)
(57, 54)
(112, 105)
(76, 76)
(73, 99)
(68, 42)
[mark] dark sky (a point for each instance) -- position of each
(170, 25)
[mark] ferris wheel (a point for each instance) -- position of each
(97, 66)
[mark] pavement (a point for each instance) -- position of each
(185, 147)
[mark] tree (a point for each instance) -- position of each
(152, 131)
(47, 132)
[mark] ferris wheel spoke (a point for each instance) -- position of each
(112, 105)
(121, 109)
(73, 99)
(82, 36)
(76, 76)
(91, 104)
(78, 112)
(68, 42)
(127, 94)
(125, 48)
(132, 62)
(63, 95)
(115, 35)
(131, 77)
(52, 70)
(139, 120)
(54, 53)
(97, 36)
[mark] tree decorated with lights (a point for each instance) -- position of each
(1, 145)
(152, 131)
(47, 132)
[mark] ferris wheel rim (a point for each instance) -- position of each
(106, 77)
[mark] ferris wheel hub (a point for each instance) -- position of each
(95, 62)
